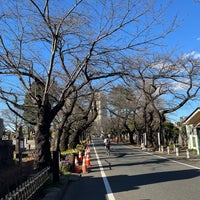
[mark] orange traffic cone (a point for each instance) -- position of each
(76, 166)
(87, 151)
(80, 159)
(88, 160)
(84, 167)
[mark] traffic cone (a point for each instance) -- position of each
(80, 159)
(76, 166)
(84, 167)
(88, 160)
(87, 151)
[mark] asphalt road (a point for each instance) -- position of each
(132, 174)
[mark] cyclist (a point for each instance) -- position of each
(107, 144)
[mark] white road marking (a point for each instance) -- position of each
(110, 195)
(173, 160)
(168, 159)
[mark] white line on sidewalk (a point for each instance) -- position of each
(103, 175)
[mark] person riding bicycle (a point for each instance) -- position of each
(107, 143)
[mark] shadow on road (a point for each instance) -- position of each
(133, 182)
(121, 183)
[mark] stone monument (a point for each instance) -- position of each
(6, 149)
(1, 128)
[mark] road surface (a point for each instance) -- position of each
(132, 174)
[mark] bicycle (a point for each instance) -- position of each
(107, 149)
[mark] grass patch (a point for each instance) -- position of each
(51, 187)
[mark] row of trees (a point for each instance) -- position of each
(131, 115)
(55, 56)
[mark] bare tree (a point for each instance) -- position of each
(76, 116)
(11, 121)
(123, 106)
(167, 85)
(83, 40)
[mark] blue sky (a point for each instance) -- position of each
(187, 39)
(187, 36)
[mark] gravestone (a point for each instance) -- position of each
(1, 128)
(6, 149)
(6, 153)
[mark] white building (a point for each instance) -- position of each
(101, 119)
(193, 130)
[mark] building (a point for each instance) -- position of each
(193, 130)
(101, 119)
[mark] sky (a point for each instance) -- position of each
(187, 40)
(187, 36)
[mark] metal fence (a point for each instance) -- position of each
(27, 189)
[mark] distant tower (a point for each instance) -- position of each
(101, 119)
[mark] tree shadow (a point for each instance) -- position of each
(124, 182)
(121, 183)
(107, 164)
(120, 153)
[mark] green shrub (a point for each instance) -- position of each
(80, 147)
(65, 168)
(69, 151)
(193, 151)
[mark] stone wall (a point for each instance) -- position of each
(6, 153)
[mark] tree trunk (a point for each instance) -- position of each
(64, 140)
(42, 140)
(162, 131)
(74, 140)
(131, 140)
